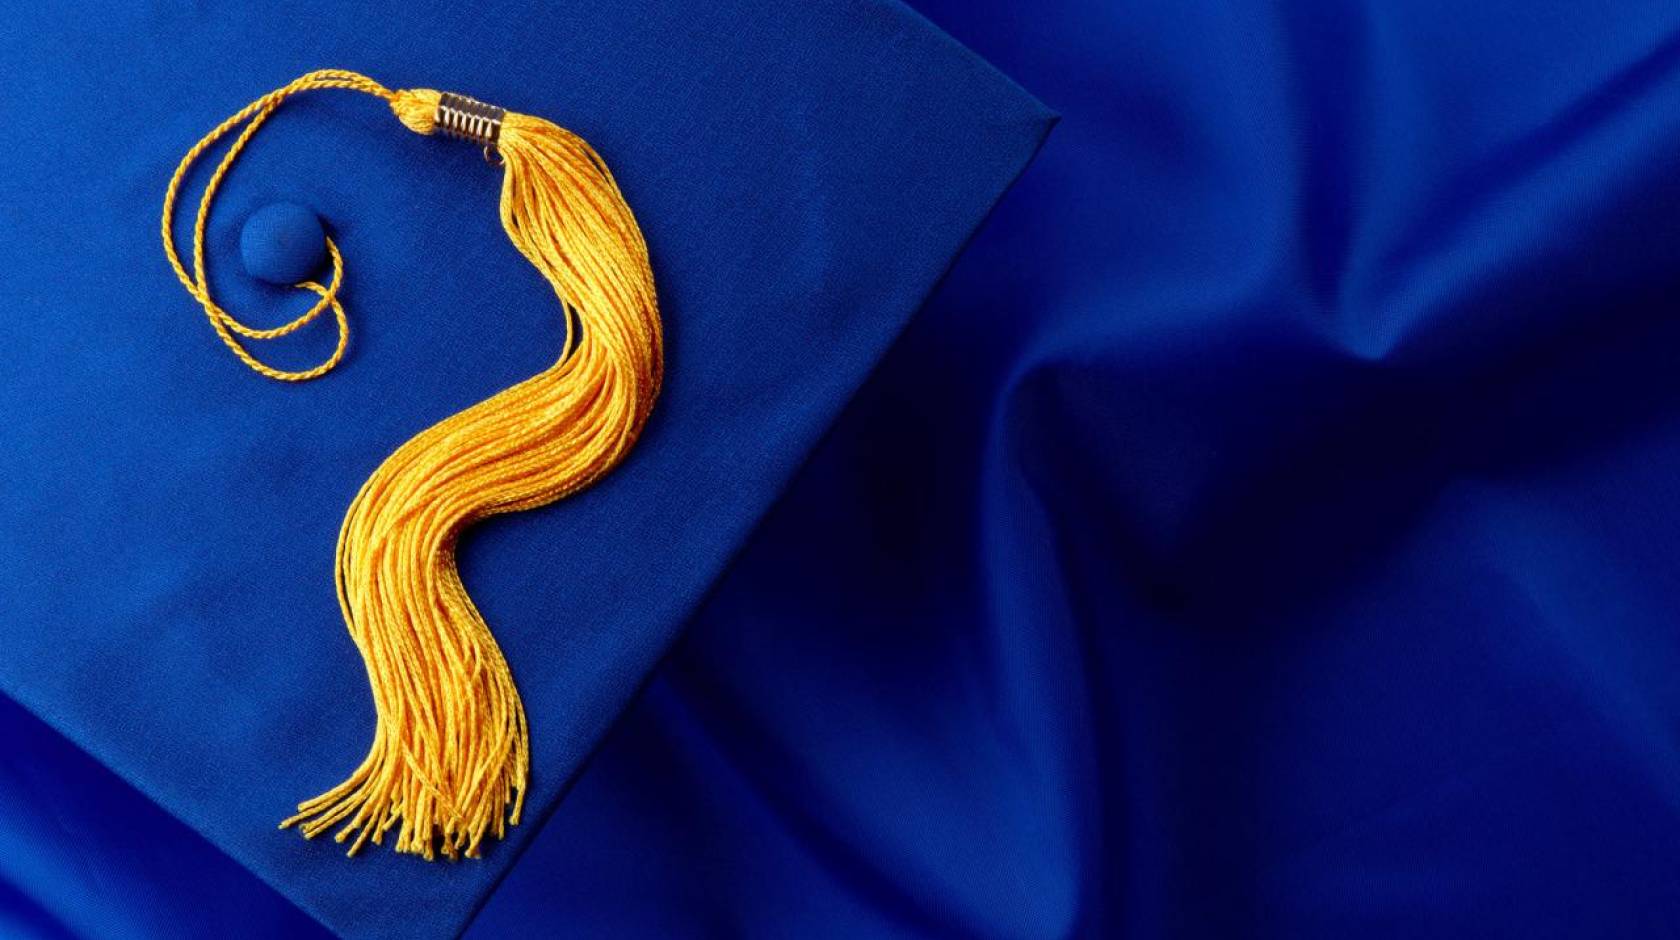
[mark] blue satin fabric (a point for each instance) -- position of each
(1268, 529)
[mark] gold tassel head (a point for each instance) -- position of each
(416, 108)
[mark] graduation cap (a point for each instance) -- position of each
(802, 176)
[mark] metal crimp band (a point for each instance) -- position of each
(469, 119)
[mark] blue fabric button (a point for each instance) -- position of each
(282, 243)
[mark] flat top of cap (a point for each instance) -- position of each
(803, 173)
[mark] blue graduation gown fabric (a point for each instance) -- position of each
(1266, 531)
(803, 172)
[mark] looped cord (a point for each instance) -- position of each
(228, 327)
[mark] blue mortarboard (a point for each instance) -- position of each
(803, 174)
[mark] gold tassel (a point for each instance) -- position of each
(451, 753)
